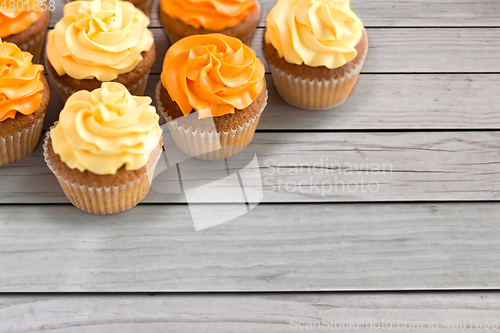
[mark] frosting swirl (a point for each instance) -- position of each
(19, 82)
(15, 21)
(214, 15)
(98, 39)
(102, 130)
(314, 32)
(213, 74)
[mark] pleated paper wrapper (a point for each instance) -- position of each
(18, 146)
(34, 46)
(210, 145)
(319, 93)
(104, 200)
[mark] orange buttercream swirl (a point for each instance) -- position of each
(19, 82)
(213, 74)
(15, 21)
(214, 15)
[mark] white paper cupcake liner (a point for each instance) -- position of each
(104, 200)
(18, 146)
(136, 89)
(319, 93)
(34, 47)
(210, 145)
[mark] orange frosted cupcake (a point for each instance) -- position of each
(236, 18)
(315, 58)
(212, 93)
(24, 96)
(104, 149)
(24, 23)
(100, 41)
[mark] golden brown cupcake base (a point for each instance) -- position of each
(10, 126)
(315, 88)
(144, 5)
(319, 72)
(121, 177)
(176, 29)
(196, 137)
(135, 81)
(102, 194)
(20, 136)
(222, 123)
(31, 39)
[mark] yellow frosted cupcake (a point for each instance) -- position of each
(24, 97)
(104, 149)
(24, 22)
(236, 18)
(100, 41)
(316, 49)
(212, 93)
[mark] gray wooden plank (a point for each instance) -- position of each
(387, 13)
(154, 248)
(381, 102)
(250, 313)
(315, 167)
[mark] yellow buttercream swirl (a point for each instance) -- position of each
(214, 15)
(213, 74)
(102, 130)
(98, 39)
(314, 32)
(14, 21)
(20, 83)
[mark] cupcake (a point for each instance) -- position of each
(24, 23)
(100, 41)
(316, 49)
(24, 96)
(144, 5)
(237, 18)
(212, 93)
(104, 149)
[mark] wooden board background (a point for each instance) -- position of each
(426, 103)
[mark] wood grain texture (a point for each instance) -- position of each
(245, 313)
(380, 102)
(289, 247)
(318, 167)
(387, 13)
(409, 50)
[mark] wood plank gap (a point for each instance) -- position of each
(244, 293)
(305, 203)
